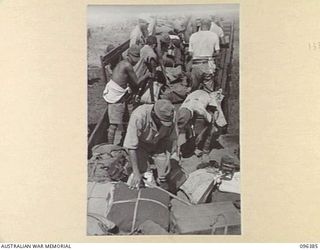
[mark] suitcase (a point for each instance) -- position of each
(218, 218)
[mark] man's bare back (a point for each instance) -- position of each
(123, 74)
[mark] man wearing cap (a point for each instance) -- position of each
(118, 90)
(151, 133)
(203, 104)
(144, 28)
(114, 61)
(148, 58)
(203, 47)
(215, 27)
(162, 50)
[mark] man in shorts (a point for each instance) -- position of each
(119, 89)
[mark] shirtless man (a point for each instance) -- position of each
(118, 91)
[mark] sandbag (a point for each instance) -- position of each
(199, 185)
(108, 162)
(212, 218)
(130, 208)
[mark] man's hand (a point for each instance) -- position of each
(205, 158)
(135, 181)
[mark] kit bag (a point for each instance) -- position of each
(220, 218)
(128, 208)
(108, 163)
(150, 228)
(97, 223)
(199, 185)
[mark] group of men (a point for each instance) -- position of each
(156, 131)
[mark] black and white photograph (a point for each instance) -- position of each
(163, 120)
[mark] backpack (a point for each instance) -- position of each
(108, 163)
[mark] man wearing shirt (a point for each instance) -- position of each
(151, 133)
(215, 27)
(145, 27)
(148, 58)
(203, 46)
(203, 104)
(139, 34)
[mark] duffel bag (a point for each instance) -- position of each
(218, 218)
(108, 162)
(128, 208)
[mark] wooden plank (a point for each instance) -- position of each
(226, 75)
(100, 132)
(103, 69)
(116, 52)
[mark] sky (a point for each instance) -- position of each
(103, 14)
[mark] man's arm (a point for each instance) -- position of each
(154, 66)
(152, 26)
(131, 142)
(216, 46)
(137, 176)
(133, 37)
(133, 79)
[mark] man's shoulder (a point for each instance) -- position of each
(193, 35)
(142, 110)
(146, 50)
(124, 64)
(214, 35)
(198, 93)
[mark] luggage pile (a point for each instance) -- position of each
(204, 201)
